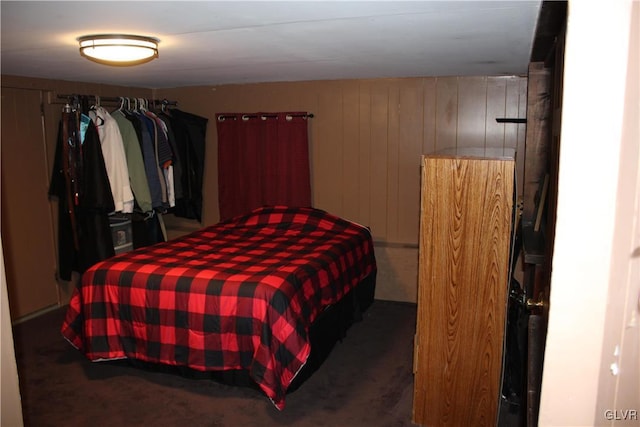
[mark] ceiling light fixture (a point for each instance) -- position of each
(118, 49)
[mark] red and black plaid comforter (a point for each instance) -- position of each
(237, 295)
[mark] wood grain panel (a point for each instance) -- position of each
(496, 105)
(462, 295)
(379, 165)
(429, 119)
(409, 155)
(351, 161)
(328, 150)
(364, 134)
(446, 112)
(393, 161)
(472, 111)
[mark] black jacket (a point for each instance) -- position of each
(88, 218)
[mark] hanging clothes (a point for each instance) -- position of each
(164, 156)
(139, 162)
(145, 183)
(65, 187)
(135, 163)
(148, 155)
(80, 183)
(177, 162)
(189, 131)
(114, 158)
(97, 202)
(154, 135)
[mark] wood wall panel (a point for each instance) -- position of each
(328, 167)
(446, 124)
(379, 166)
(393, 162)
(409, 154)
(368, 135)
(496, 107)
(429, 110)
(365, 140)
(364, 134)
(351, 162)
(472, 112)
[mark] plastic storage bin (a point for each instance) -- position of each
(121, 233)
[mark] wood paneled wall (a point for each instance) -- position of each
(367, 136)
(366, 141)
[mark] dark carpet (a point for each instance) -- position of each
(367, 380)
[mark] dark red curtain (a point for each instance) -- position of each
(263, 159)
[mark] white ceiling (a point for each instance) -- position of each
(223, 42)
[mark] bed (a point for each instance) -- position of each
(260, 298)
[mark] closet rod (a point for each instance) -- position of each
(117, 99)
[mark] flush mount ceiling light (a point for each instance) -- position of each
(118, 49)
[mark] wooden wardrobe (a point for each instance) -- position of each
(463, 277)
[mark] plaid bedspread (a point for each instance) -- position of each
(240, 294)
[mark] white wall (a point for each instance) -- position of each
(596, 55)
(11, 408)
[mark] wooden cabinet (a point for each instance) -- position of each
(465, 239)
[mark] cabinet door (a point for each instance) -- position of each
(27, 225)
(462, 293)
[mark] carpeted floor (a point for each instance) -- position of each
(366, 381)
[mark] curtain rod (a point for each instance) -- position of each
(116, 99)
(271, 116)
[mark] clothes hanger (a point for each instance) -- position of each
(96, 108)
(96, 103)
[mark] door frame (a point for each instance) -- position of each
(596, 136)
